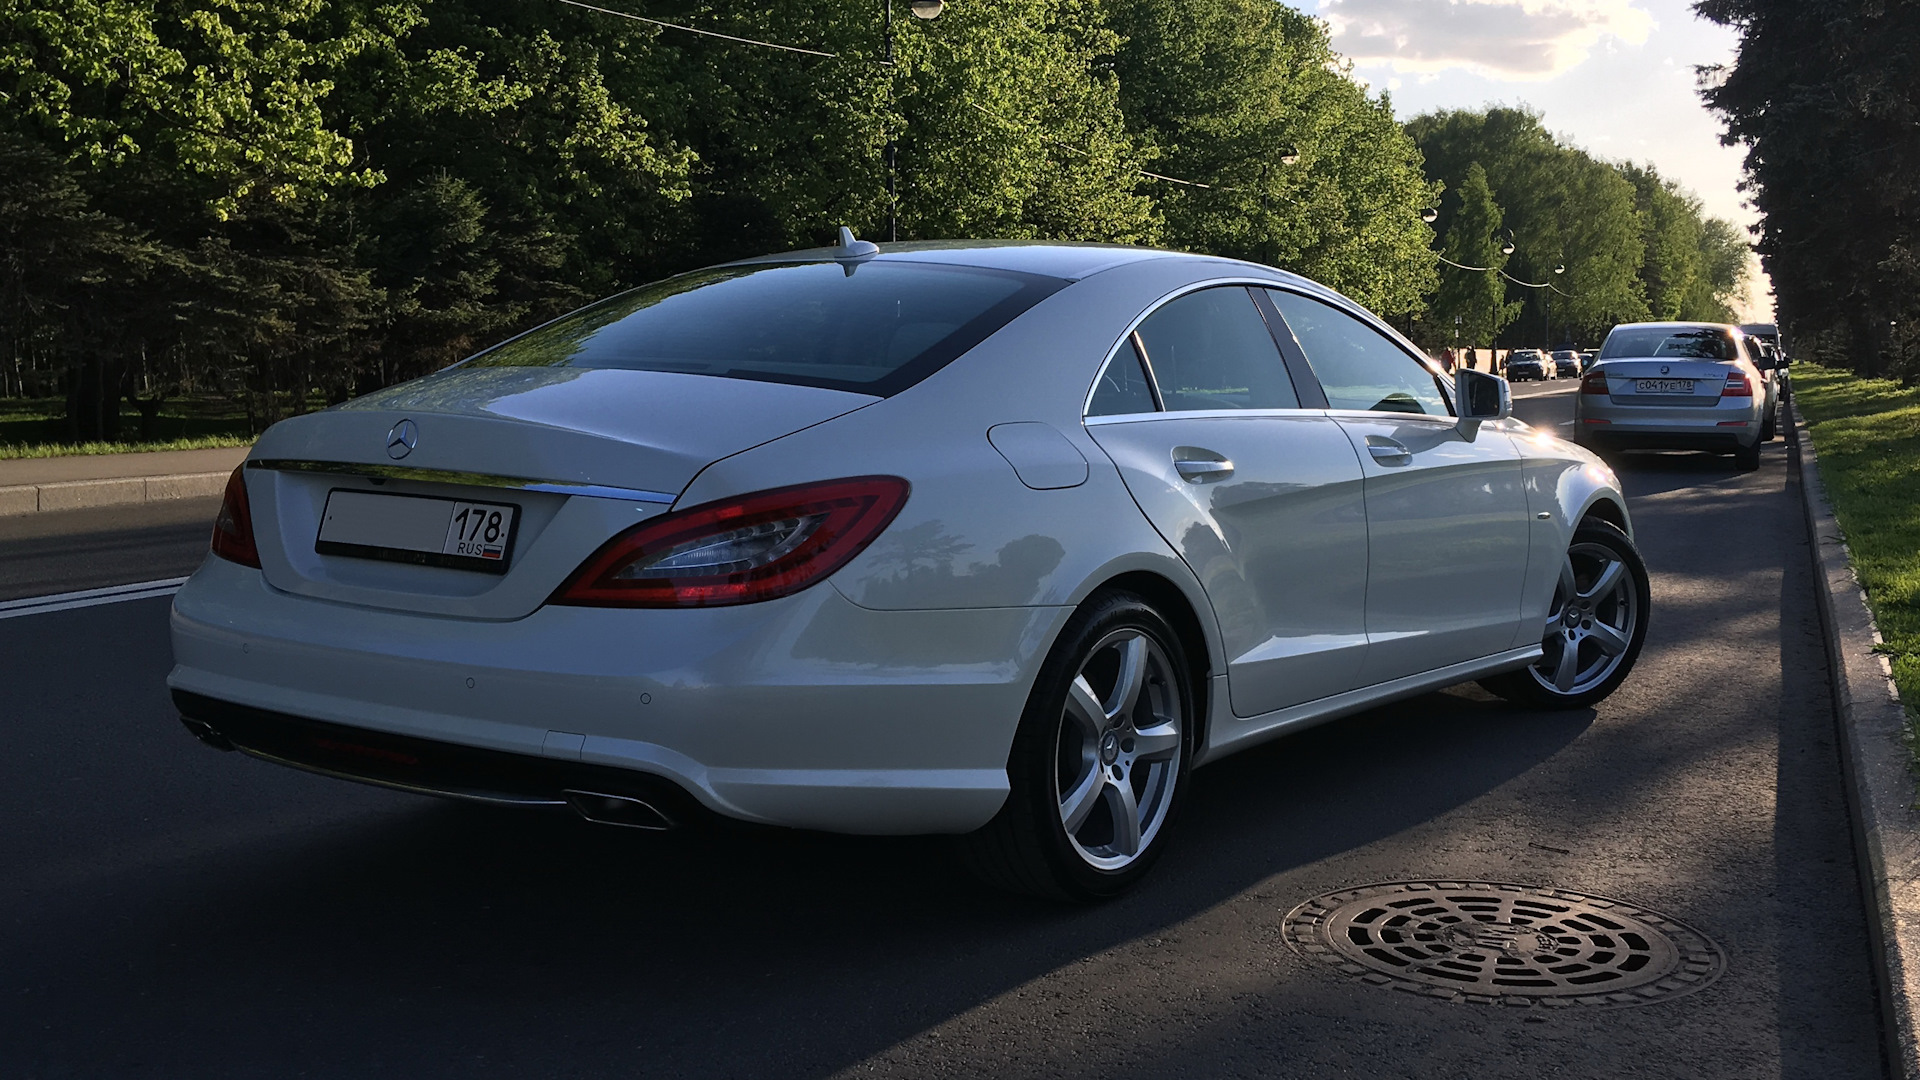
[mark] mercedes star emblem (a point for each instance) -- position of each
(402, 438)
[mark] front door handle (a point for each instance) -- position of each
(1388, 451)
(1203, 470)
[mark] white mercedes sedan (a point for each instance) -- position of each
(990, 539)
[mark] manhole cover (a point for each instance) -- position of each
(1504, 944)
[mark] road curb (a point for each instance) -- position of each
(85, 494)
(1878, 767)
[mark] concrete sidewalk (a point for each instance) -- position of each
(32, 485)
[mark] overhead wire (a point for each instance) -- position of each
(1503, 273)
(717, 34)
(881, 63)
(1164, 178)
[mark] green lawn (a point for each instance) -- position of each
(1867, 432)
(31, 427)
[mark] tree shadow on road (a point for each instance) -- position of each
(422, 939)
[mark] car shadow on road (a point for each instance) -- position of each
(414, 936)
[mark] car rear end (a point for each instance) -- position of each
(1525, 366)
(482, 584)
(1670, 402)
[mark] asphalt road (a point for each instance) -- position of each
(170, 911)
(69, 550)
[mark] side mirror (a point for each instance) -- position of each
(1765, 361)
(1480, 397)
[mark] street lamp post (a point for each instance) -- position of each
(893, 146)
(1547, 297)
(920, 9)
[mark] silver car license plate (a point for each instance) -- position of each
(418, 529)
(1663, 386)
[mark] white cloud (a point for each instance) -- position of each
(1510, 40)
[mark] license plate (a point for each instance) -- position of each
(1663, 386)
(418, 529)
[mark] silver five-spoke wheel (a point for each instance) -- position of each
(1118, 753)
(1594, 627)
(1098, 765)
(1591, 622)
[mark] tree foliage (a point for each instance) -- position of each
(278, 199)
(1471, 308)
(1306, 169)
(1824, 95)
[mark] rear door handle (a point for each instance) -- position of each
(1387, 451)
(1200, 471)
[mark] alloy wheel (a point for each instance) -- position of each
(1117, 759)
(1591, 622)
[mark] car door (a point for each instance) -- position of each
(1261, 496)
(1447, 517)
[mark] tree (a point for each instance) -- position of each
(1471, 306)
(1670, 234)
(1725, 263)
(1563, 207)
(1823, 94)
(1305, 169)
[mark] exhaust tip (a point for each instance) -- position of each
(621, 810)
(207, 733)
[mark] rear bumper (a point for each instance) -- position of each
(1630, 439)
(424, 766)
(808, 711)
(1724, 425)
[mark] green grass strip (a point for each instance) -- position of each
(11, 451)
(1867, 433)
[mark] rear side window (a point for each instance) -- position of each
(1212, 350)
(1685, 344)
(1123, 386)
(1358, 367)
(873, 328)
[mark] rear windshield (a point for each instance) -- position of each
(873, 328)
(1700, 344)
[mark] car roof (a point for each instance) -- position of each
(1729, 327)
(1070, 262)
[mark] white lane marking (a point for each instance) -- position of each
(113, 594)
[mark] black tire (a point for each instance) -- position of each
(1534, 685)
(1747, 458)
(1769, 425)
(1026, 847)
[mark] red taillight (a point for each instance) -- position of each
(233, 529)
(738, 551)
(1593, 382)
(1737, 385)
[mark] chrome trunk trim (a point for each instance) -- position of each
(467, 479)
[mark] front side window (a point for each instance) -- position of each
(1212, 350)
(1358, 367)
(875, 330)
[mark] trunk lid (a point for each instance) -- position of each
(1625, 386)
(581, 453)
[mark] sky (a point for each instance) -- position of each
(1614, 77)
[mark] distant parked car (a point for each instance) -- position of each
(1524, 364)
(1769, 338)
(1677, 386)
(1566, 364)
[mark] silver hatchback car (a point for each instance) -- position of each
(1678, 386)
